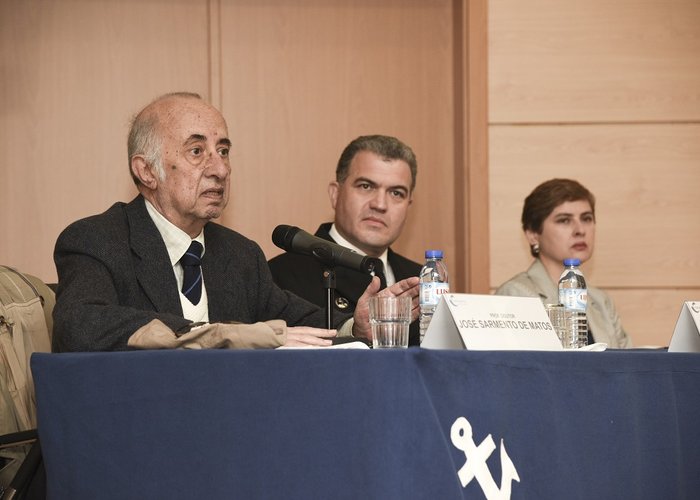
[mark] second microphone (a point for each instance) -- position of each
(295, 240)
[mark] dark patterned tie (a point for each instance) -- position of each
(191, 265)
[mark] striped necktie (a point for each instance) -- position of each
(191, 266)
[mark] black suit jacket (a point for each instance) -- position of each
(303, 275)
(115, 276)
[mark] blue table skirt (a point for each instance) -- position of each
(345, 423)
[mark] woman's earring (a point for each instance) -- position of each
(536, 248)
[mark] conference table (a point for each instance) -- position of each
(370, 424)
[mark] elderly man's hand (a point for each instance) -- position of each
(409, 287)
(304, 336)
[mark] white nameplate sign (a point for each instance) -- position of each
(491, 322)
(686, 335)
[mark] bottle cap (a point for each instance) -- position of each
(572, 262)
(433, 254)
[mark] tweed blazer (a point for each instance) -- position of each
(115, 276)
(603, 319)
(302, 275)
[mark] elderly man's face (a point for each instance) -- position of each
(195, 154)
(371, 205)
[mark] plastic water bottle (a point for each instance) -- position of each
(433, 283)
(574, 297)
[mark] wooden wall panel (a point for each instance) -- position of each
(73, 73)
(301, 79)
(296, 81)
(593, 61)
(645, 180)
(607, 93)
(471, 179)
(650, 315)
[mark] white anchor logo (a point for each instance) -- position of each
(475, 466)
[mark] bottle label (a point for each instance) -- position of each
(430, 292)
(574, 299)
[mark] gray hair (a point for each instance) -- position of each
(387, 147)
(145, 138)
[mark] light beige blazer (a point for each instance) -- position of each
(602, 317)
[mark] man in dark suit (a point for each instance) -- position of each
(375, 178)
(160, 259)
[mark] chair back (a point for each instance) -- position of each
(26, 306)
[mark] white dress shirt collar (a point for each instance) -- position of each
(176, 240)
(176, 243)
(384, 257)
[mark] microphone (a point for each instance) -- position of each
(295, 240)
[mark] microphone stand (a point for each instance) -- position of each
(329, 285)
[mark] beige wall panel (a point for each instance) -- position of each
(301, 79)
(649, 316)
(592, 61)
(73, 72)
(645, 179)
